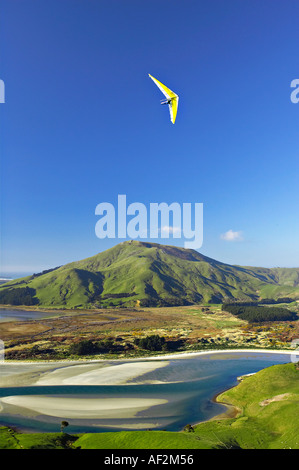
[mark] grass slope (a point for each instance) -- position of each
(10, 439)
(269, 404)
(136, 273)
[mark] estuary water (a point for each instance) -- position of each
(10, 314)
(102, 396)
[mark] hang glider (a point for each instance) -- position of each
(172, 99)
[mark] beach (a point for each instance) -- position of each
(100, 371)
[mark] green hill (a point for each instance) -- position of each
(148, 274)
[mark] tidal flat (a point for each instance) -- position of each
(165, 392)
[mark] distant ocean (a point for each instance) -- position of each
(9, 276)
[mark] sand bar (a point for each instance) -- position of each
(81, 408)
(109, 375)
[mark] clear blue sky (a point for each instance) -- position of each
(82, 123)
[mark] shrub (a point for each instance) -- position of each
(83, 348)
(151, 343)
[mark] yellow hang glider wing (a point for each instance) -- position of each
(173, 99)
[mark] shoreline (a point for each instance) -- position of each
(232, 411)
(167, 356)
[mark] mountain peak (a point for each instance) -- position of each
(144, 273)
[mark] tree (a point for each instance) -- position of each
(151, 343)
(83, 348)
(188, 428)
(63, 425)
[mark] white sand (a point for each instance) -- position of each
(82, 408)
(134, 426)
(110, 375)
(222, 351)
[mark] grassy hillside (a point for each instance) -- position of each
(136, 273)
(268, 409)
(10, 439)
(269, 404)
